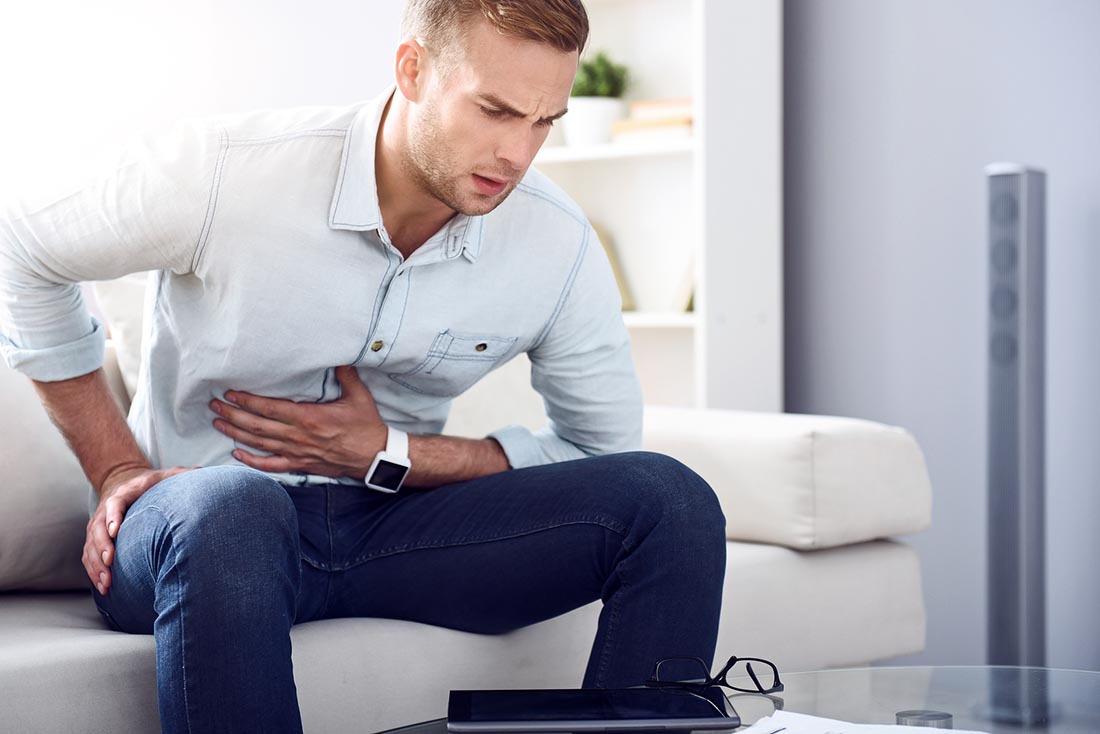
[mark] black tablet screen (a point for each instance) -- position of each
(585, 705)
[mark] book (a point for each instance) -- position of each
(673, 128)
(661, 109)
(616, 268)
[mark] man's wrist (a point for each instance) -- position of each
(442, 460)
(390, 468)
(118, 475)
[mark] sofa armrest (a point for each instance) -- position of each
(800, 481)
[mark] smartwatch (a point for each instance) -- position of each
(390, 466)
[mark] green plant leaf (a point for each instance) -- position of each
(600, 77)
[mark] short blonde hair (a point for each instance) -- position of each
(441, 24)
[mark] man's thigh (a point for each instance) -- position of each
(495, 553)
(199, 517)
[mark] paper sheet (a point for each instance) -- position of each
(791, 723)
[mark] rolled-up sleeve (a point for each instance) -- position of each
(584, 371)
(150, 213)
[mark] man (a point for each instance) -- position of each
(327, 280)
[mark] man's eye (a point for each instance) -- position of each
(545, 123)
(491, 113)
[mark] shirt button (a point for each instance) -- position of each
(481, 347)
(376, 346)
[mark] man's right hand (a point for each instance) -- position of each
(119, 491)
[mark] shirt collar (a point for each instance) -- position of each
(355, 199)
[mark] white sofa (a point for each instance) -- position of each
(810, 581)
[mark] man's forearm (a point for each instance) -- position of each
(438, 460)
(85, 412)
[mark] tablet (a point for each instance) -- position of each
(589, 710)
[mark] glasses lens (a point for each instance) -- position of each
(751, 674)
(681, 670)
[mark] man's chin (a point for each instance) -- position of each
(476, 205)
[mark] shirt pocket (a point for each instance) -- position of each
(454, 363)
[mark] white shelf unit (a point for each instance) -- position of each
(658, 320)
(707, 209)
(551, 154)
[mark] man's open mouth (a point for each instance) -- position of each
(489, 186)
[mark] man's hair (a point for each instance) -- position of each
(441, 24)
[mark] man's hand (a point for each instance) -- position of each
(118, 492)
(333, 439)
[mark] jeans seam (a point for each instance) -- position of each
(183, 625)
(609, 639)
(614, 527)
(179, 600)
(331, 550)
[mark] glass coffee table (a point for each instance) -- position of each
(991, 699)
(983, 698)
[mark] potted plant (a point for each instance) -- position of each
(595, 102)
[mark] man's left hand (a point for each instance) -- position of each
(333, 439)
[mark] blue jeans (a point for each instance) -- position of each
(218, 563)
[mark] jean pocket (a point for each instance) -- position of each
(454, 363)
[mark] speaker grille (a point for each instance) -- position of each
(1015, 457)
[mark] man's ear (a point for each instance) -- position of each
(410, 69)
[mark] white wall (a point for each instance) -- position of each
(892, 108)
(81, 78)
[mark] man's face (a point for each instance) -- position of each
(473, 134)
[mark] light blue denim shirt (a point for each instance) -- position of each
(272, 266)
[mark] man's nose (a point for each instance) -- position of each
(518, 147)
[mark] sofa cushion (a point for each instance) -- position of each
(803, 481)
(62, 670)
(44, 492)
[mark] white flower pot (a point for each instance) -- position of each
(590, 119)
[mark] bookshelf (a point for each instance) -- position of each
(612, 151)
(699, 215)
(716, 197)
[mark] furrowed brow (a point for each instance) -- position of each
(511, 111)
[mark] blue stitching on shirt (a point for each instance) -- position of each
(212, 202)
(438, 355)
(318, 132)
(401, 318)
(566, 290)
(376, 313)
(340, 184)
(472, 257)
(531, 191)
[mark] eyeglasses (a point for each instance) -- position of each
(692, 674)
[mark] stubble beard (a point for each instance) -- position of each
(427, 164)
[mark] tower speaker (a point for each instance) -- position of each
(1016, 435)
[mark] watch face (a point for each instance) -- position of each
(389, 475)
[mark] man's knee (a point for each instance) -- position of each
(234, 528)
(222, 502)
(666, 483)
(658, 493)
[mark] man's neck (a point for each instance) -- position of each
(411, 215)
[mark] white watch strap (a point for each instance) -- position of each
(397, 443)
